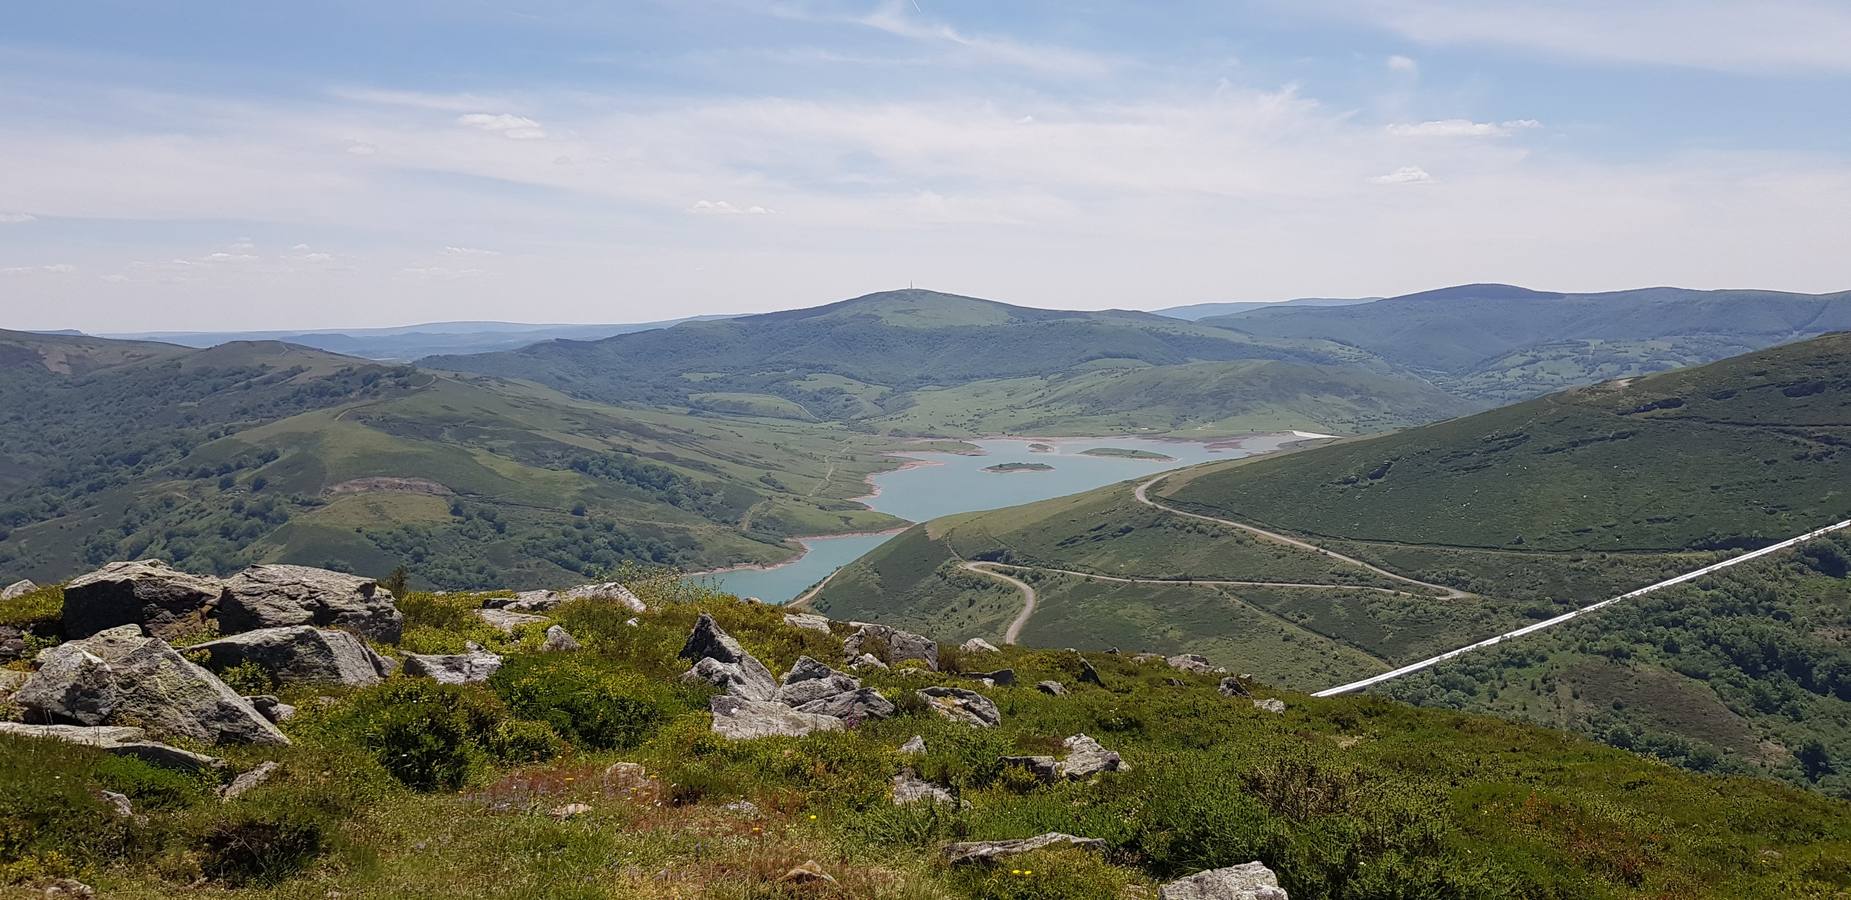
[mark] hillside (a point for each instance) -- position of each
(252, 452)
(599, 768)
(1196, 312)
(406, 342)
(886, 355)
(1499, 343)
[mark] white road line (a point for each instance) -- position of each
(1548, 623)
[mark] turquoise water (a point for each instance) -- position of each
(949, 483)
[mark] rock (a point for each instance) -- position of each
(271, 708)
(901, 645)
(144, 592)
(914, 746)
(1051, 688)
(1044, 768)
(473, 665)
(12, 643)
(720, 661)
(867, 661)
(985, 851)
(1195, 664)
(298, 654)
(960, 705)
(852, 707)
(507, 621)
(739, 718)
(11, 680)
(526, 601)
(1086, 758)
(1088, 674)
(68, 889)
(609, 590)
(1270, 705)
(744, 808)
(807, 621)
(117, 803)
(1003, 677)
(808, 873)
(570, 811)
(558, 641)
(18, 588)
(1248, 881)
(1146, 657)
(118, 677)
(1231, 687)
(809, 680)
(978, 645)
(120, 740)
(272, 596)
(248, 781)
(910, 788)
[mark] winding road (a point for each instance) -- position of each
(1028, 594)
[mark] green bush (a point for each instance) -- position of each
(262, 845)
(589, 705)
(248, 678)
(52, 822)
(41, 609)
(1053, 874)
(429, 736)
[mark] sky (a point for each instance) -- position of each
(235, 165)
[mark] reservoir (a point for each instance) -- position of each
(940, 484)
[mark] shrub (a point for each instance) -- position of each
(248, 678)
(261, 846)
(1053, 874)
(40, 610)
(429, 736)
(590, 706)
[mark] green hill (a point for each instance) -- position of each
(265, 451)
(1499, 343)
(923, 362)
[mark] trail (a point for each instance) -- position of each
(1143, 497)
(1573, 614)
(1028, 595)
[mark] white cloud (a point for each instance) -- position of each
(1404, 175)
(361, 148)
(1444, 128)
(7, 218)
(53, 269)
(1399, 63)
(902, 18)
(723, 208)
(518, 128)
(469, 251)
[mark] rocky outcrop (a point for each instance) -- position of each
(120, 677)
(964, 852)
(1088, 674)
(1051, 688)
(1247, 881)
(810, 872)
(1086, 758)
(11, 681)
(807, 621)
(273, 596)
(1195, 664)
(273, 709)
(248, 781)
(526, 601)
(1045, 769)
(144, 592)
(558, 641)
(852, 707)
(298, 654)
(739, 718)
(914, 746)
(120, 740)
(909, 788)
(1232, 687)
(900, 645)
(1269, 705)
(960, 705)
(978, 645)
(720, 661)
(508, 621)
(810, 680)
(12, 643)
(473, 665)
(867, 661)
(1004, 677)
(18, 588)
(609, 590)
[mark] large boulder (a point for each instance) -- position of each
(810, 680)
(1086, 758)
(1232, 687)
(144, 592)
(986, 851)
(507, 621)
(273, 596)
(960, 705)
(298, 654)
(12, 643)
(1194, 664)
(471, 666)
(900, 645)
(909, 788)
(119, 740)
(18, 588)
(807, 621)
(721, 662)
(558, 641)
(978, 645)
(1247, 881)
(118, 677)
(526, 601)
(739, 718)
(854, 706)
(609, 590)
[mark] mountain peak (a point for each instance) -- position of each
(1488, 291)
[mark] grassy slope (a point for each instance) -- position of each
(1346, 798)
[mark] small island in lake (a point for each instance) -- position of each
(1019, 467)
(1041, 448)
(1122, 453)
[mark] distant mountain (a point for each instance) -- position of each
(407, 342)
(1497, 343)
(869, 358)
(1198, 311)
(270, 452)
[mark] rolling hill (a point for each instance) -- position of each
(1495, 343)
(249, 452)
(406, 342)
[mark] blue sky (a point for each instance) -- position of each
(245, 165)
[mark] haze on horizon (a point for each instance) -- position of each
(249, 166)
